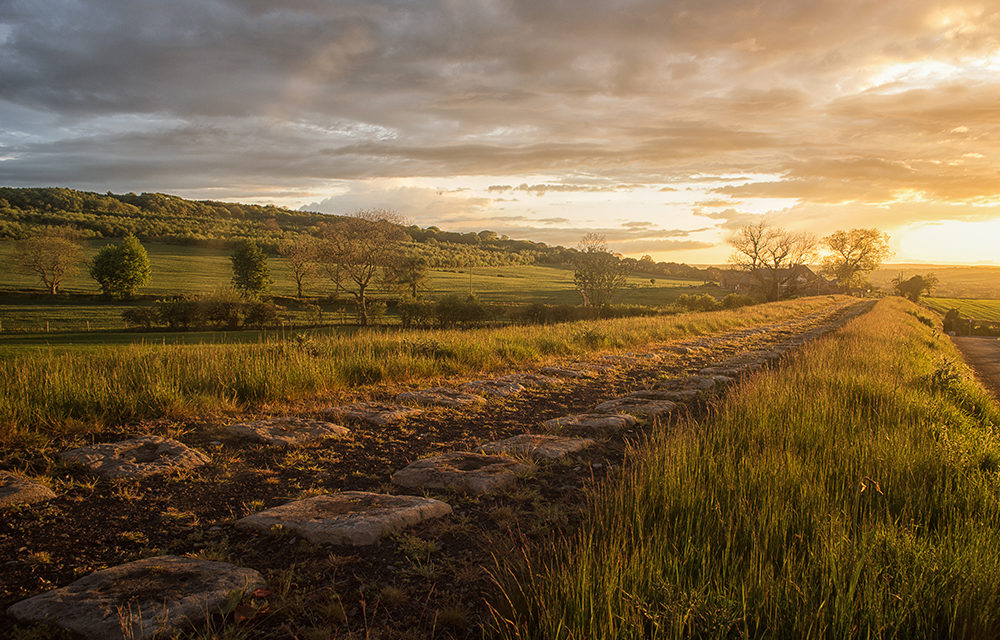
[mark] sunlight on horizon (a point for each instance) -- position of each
(951, 242)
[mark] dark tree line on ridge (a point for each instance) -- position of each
(155, 217)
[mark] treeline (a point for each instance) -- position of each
(170, 219)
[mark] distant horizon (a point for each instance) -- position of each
(668, 258)
(663, 126)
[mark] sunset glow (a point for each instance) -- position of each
(663, 126)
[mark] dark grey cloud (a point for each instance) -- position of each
(247, 97)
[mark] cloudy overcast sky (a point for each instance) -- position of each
(664, 124)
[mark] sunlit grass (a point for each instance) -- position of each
(47, 389)
(853, 493)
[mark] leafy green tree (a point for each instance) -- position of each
(913, 288)
(251, 274)
(121, 269)
(854, 255)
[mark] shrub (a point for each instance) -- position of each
(223, 309)
(179, 313)
(416, 313)
(144, 316)
(697, 302)
(736, 300)
(261, 314)
(454, 310)
(313, 312)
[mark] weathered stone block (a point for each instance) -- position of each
(536, 446)
(348, 517)
(288, 431)
(137, 457)
(140, 599)
(460, 471)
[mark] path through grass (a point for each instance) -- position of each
(852, 493)
(47, 389)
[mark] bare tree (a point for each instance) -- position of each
(855, 254)
(598, 273)
(358, 247)
(303, 254)
(770, 254)
(53, 256)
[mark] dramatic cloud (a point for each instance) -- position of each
(542, 108)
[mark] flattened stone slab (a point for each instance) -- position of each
(15, 489)
(693, 383)
(441, 397)
(537, 446)
(376, 413)
(139, 599)
(569, 372)
(288, 431)
(592, 422)
(637, 407)
(535, 380)
(348, 517)
(499, 387)
(679, 395)
(460, 471)
(729, 372)
(136, 458)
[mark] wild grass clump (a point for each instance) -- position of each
(47, 389)
(853, 493)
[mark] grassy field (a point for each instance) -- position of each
(956, 281)
(181, 269)
(192, 270)
(852, 493)
(988, 310)
(46, 389)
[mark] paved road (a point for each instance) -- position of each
(983, 355)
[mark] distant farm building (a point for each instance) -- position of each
(799, 280)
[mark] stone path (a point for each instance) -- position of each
(136, 458)
(376, 413)
(140, 599)
(15, 490)
(174, 587)
(441, 397)
(498, 387)
(348, 517)
(591, 422)
(288, 431)
(460, 471)
(536, 446)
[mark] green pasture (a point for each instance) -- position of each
(192, 270)
(988, 310)
(955, 281)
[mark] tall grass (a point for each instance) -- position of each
(853, 493)
(47, 389)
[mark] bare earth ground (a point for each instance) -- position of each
(431, 581)
(983, 355)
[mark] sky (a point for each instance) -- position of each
(664, 125)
